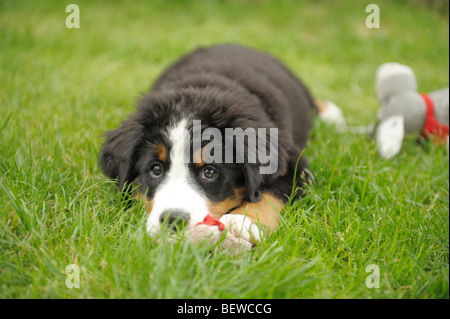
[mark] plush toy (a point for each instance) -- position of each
(211, 230)
(405, 111)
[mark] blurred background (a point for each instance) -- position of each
(94, 73)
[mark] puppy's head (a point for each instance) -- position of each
(165, 149)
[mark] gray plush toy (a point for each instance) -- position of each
(405, 111)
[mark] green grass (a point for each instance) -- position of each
(60, 89)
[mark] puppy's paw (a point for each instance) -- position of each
(204, 234)
(241, 227)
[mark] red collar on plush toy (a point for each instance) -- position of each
(211, 221)
(432, 126)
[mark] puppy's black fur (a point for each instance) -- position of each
(226, 86)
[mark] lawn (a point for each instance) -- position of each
(61, 89)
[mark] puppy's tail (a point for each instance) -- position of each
(330, 113)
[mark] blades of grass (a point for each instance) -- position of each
(5, 123)
(22, 215)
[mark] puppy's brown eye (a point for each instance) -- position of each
(209, 173)
(156, 170)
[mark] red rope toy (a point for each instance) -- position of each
(211, 221)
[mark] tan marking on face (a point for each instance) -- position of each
(140, 197)
(219, 209)
(161, 152)
(199, 158)
(265, 212)
(148, 203)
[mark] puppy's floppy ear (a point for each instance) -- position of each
(117, 156)
(253, 182)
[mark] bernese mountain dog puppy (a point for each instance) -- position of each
(257, 113)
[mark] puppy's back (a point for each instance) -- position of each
(283, 96)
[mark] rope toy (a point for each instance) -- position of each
(211, 230)
(211, 221)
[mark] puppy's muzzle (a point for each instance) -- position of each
(174, 219)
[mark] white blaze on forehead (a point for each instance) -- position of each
(178, 191)
(179, 153)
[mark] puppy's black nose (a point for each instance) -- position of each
(175, 219)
